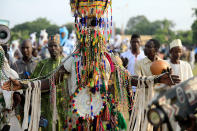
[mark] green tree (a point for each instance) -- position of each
(185, 36)
(22, 31)
(34, 26)
(194, 28)
(118, 31)
(53, 29)
(138, 24)
(164, 33)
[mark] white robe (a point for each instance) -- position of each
(183, 70)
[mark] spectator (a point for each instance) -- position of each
(134, 54)
(26, 65)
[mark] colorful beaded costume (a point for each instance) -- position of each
(101, 99)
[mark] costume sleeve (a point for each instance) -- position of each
(68, 64)
(137, 69)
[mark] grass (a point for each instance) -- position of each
(195, 70)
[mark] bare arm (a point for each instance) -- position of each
(45, 84)
(165, 79)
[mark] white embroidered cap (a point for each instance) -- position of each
(175, 43)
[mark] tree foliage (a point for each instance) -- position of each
(22, 31)
(164, 33)
(118, 31)
(141, 25)
(185, 36)
(138, 24)
(160, 29)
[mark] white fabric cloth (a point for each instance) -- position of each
(175, 43)
(13, 121)
(44, 34)
(117, 41)
(69, 47)
(69, 65)
(10, 73)
(183, 70)
(33, 39)
(33, 95)
(138, 121)
(132, 60)
(192, 59)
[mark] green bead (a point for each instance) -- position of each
(105, 127)
(92, 84)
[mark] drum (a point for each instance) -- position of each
(158, 66)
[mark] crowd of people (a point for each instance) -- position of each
(86, 81)
(121, 46)
(23, 57)
(30, 59)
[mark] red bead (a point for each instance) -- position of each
(77, 121)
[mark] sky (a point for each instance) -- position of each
(58, 11)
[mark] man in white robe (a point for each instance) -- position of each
(179, 67)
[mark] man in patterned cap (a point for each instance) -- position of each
(43, 68)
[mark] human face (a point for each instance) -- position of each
(135, 44)
(150, 50)
(63, 34)
(54, 49)
(26, 49)
(176, 53)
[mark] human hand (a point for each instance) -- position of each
(169, 79)
(125, 62)
(11, 85)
